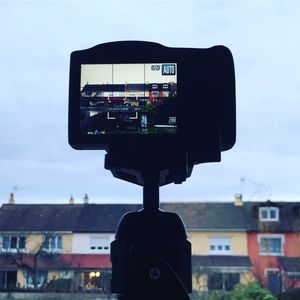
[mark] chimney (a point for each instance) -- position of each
(86, 199)
(238, 200)
(71, 200)
(11, 199)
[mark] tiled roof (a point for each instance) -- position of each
(103, 87)
(210, 215)
(38, 217)
(289, 216)
(224, 216)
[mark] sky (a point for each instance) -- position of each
(37, 37)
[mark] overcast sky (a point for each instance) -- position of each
(37, 38)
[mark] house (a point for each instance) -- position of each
(274, 244)
(37, 245)
(50, 241)
(232, 242)
(218, 233)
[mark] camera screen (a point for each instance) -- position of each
(128, 98)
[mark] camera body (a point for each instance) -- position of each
(146, 103)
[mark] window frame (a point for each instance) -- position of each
(260, 237)
(217, 242)
(8, 240)
(223, 281)
(52, 242)
(268, 210)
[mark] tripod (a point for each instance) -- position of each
(151, 256)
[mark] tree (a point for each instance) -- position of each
(29, 262)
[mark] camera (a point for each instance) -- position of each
(157, 111)
(142, 99)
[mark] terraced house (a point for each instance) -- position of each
(232, 242)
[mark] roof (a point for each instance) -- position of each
(37, 217)
(217, 216)
(289, 216)
(210, 215)
(103, 87)
(9, 261)
(208, 261)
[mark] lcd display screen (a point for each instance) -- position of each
(128, 98)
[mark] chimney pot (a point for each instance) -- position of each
(238, 200)
(11, 199)
(71, 200)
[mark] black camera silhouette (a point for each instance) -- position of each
(157, 111)
(146, 102)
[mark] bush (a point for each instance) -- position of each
(251, 291)
(212, 295)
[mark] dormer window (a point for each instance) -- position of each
(269, 214)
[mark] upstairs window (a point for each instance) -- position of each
(219, 245)
(270, 244)
(53, 243)
(269, 214)
(13, 243)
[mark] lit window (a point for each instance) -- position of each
(219, 245)
(269, 214)
(270, 244)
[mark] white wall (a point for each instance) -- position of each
(82, 242)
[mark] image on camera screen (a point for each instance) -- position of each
(128, 98)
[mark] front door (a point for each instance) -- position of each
(274, 281)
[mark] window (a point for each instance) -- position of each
(13, 243)
(53, 243)
(99, 244)
(270, 244)
(269, 214)
(219, 245)
(8, 279)
(41, 279)
(223, 281)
